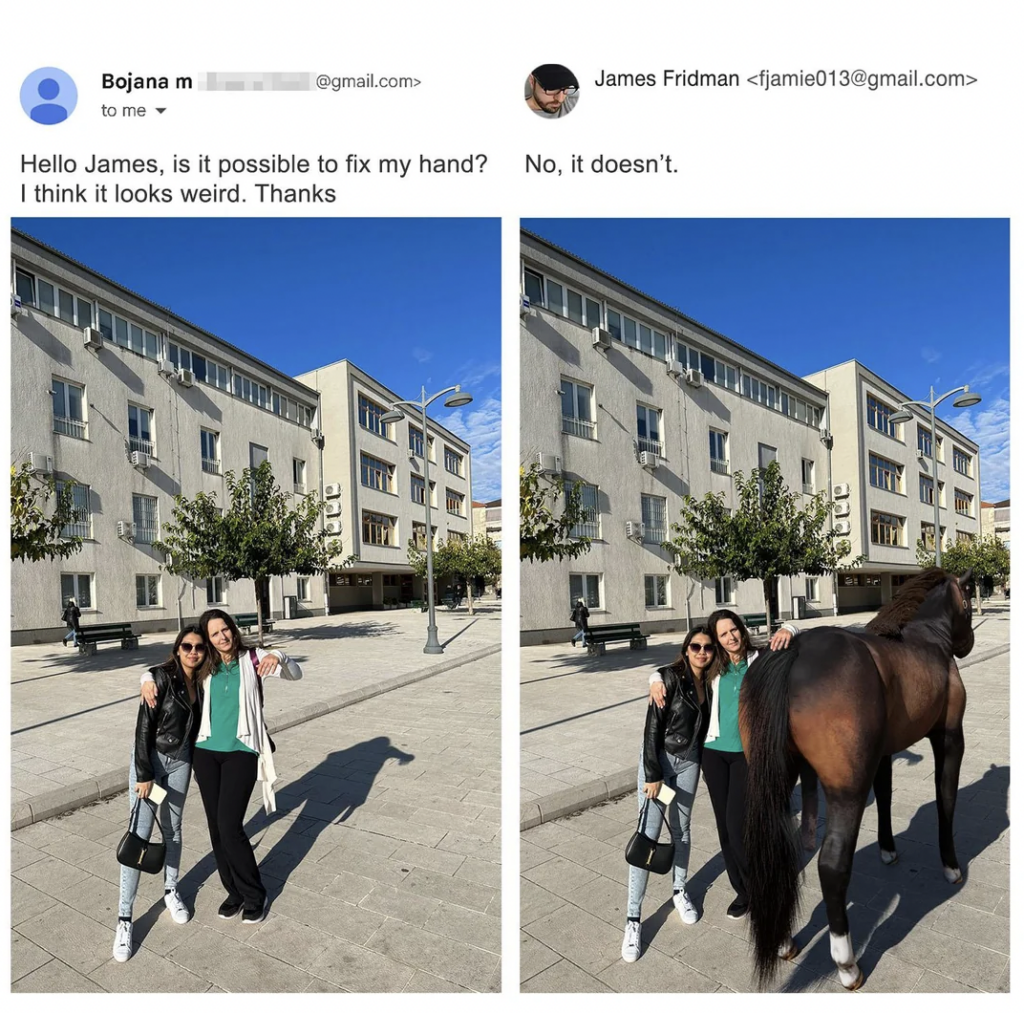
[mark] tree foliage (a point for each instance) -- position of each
(260, 535)
(35, 533)
(768, 535)
(463, 559)
(545, 533)
(987, 557)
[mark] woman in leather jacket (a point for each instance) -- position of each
(164, 738)
(671, 753)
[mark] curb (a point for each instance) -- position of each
(92, 789)
(585, 796)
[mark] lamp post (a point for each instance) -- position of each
(456, 399)
(965, 400)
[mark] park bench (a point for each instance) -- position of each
(755, 620)
(247, 620)
(89, 636)
(598, 636)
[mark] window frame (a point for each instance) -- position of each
(80, 491)
(587, 582)
(719, 462)
(458, 459)
(67, 420)
(143, 530)
(139, 442)
(575, 424)
(373, 521)
(590, 504)
(76, 592)
(645, 443)
(454, 496)
(147, 577)
(656, 581)
(879, 522)
(368, 410)
(653, 505)
(368, 468)
(213, 462)
(877, 463)
(725, 590)
(879, 411)
(214, 584)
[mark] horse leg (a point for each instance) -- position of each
(808, 806)
(842, 823)
(948, 747)
(883, 803)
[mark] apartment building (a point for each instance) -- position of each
(375, 485)
(136, 405)
(883, 484)
(487, 520)
(995, 520)
(644, 405)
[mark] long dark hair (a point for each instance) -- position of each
(173, 663)
(713, 620)
(681, 665)
(204, 623)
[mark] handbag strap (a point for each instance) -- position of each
(133, 819)
(643, 814)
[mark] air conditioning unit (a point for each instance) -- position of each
(92, 337)
(694, 378)
(16, 308)
(166, 368)
(823, 431)
(550, 464)
(40, 464)
(648, 459)
(186, 377)
(675, 368)
(842, 510)
(841, 490)
(333, 527)
(332, 490)
(524, 306)
(315, 435)
(126, 530)
(140, 460)
(602, 338)
(634, 530)
(332, 509)
(842, 527)
(922, 456)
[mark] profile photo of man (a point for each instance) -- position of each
(552, 90)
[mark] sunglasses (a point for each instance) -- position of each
(701, 648)
(189, 648)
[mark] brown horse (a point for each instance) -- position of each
(844, 702)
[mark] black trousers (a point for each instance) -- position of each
(225, 782)
(725, 774)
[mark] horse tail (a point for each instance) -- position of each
(770, 836)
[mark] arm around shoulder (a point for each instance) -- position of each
(287, 668)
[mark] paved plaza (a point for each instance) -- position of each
(382, 861)
(582, 724)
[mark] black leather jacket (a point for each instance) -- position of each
(170, 727)
(680, 726)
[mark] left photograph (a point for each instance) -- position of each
(255, 605)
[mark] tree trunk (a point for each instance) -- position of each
(469, 594)
(258, 584)
(766, 588)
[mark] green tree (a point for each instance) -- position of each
(261, 534)
(769, 534)
(545, 533)
(463, 559)
(987, 557)
(36, 534)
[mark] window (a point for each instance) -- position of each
(590, 526)
(878, 418)
(963, 502)
(614, 325)
(81, 527)
(885, 474)
(419, 535)
(209, 449)
(25, 286)
(586, 586)
(257, 455)
(928, 535)
(652, 513)
(376, 474)
(725, 591)
(216, 590)
(719, 452)
(147, 591)
(886, 529)
(68, 409)
(140, 429)
(51, 298)
(454, 502)
(77, 586)
(415, 441)
(302, 588)
(655, 591)
(961, 462)
(807, 476)
(648, 429)
(926, 489)
(379, 529)
(554, 300)
(924, 441)
(578, 409)
(811, 589)
(758, 390)
(452, 461)
(250, 390)
(418, 489)
(299, 476)
(533, 284)
(145, 517)
(964, 536)
(369, 417)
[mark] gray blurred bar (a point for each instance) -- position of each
(270, 81)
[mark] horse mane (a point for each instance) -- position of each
(891, 618)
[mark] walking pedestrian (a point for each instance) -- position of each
(671, 751)
(71, 616)
(580, 615)
(723, 764)
(164, 738)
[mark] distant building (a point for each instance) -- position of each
(995, 520)
(487, 520)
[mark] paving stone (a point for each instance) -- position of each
(404, 905)
(969, 923)
(428, 858)
(423, 982)
(55, 976)
(357, 969)
(346, 921)
(482, 873)
(655, 972)
(160, 974)
(587, 941)
(564, 976)
(430, 884)
(534, 956)
(27, 902)
(293, 942)
(561, 876)
(69, 936)
(26, 957)
(479, 929)
(932, 982)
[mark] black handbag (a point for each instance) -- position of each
(644, 853)
(137, 853)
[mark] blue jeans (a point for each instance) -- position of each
(72, 635)
(580, 638)
(683, 776)
(174, 775)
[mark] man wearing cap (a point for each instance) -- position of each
(552, 90)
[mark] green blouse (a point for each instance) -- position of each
(727, 690)
(223, 687)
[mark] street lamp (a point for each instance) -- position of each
(456, 399)
(966, 399)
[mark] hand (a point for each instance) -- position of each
(268, 663)
(143, 788)
(651, 788)
(657, 694)
(148, 695)
(781, 639)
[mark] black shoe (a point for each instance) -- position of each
(737, 909)
(254, 913)
(229, 908)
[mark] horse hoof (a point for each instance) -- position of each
(888, 857)
(953, 876)
(792, 953)
(857, 984)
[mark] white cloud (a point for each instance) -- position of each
(479, 424)
(422, 354)
(989, 426)
(930, 354)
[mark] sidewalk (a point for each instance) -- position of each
(73, 717)
(382, 864)
(913, 932)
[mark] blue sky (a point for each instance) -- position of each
(411, 301)
(919, 301)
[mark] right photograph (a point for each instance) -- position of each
(764, 605)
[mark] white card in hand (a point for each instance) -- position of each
(665, 794)
(158, 794)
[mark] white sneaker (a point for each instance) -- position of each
(123, 941)
(687, 912)
(179, 912)
(631, 943)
